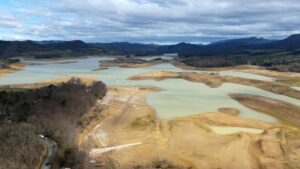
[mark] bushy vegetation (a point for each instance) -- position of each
(129, 60)
(214, 61)
(54, 111)
(19, 146)
(4, 63)
(49, 49)
(270, 59)
(72, 98)
(280, 61)
(281, 55)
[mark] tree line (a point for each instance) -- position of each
(54, 111)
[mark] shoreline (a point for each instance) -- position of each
(13, 68)
(136, 62)
(56, 81)
(126, 118)
(214, 80)
(289, 78)
(129, 119)
(285, 112)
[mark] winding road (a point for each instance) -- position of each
(51, 152)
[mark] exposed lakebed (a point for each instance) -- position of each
(177, 98)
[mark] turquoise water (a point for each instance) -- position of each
(112, 76)
(186, 98)
(177, 98)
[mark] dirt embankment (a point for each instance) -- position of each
(12, 68)
(130, 62)
(271, 73)
(288, 78)
(186, 141)
(283, 110)
(180, 64)
(215, 80)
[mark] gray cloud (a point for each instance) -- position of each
(162, 21)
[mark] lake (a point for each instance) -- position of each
(177, 98)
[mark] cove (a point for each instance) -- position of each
(177, 98)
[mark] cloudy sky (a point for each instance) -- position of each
(147, 21)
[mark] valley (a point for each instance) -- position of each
(174, 115)
(149, 84)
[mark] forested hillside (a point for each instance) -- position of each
(55, 111)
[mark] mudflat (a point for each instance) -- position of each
(130, 123)
(216, 80)
(283, 110)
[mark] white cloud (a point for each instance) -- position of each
(153, 20)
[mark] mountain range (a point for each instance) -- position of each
(48, 49)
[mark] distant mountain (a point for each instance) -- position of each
(290, 43)
(47, 49)
(47, 42)
(75, 45)
(242, 41)
(127, 48)
(15, 48)
(180, 48)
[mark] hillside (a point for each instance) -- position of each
(282, 55)
(57, 111)
(49, 49)
(45, 50)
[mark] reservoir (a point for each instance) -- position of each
(177, 98)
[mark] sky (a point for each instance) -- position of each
(148, 21)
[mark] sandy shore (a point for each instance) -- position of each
(288, 78)
(280, 109)
(212, 140)
(215, 80)
(128, 133)
(12, 69)
(194, 141)
(184, 66)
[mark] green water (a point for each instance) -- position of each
(178, 98)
